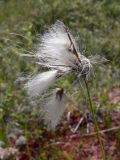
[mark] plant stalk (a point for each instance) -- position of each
(95, 121)
(27, 145)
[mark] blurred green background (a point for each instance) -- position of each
(97, 22)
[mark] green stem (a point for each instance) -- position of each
(95, 121)
(3, 131)
(27, 145)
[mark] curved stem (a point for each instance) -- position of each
(95, 121)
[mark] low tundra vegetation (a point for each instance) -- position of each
(23, 131)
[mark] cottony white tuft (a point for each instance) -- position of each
(56, 49)
(54, 109)
(40, 83)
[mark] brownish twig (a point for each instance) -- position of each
(102, 131)
(74, 48)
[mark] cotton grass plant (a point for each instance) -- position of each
(59, 53)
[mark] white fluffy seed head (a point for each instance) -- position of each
(38, 84)
(54, 109)
(56, 49)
